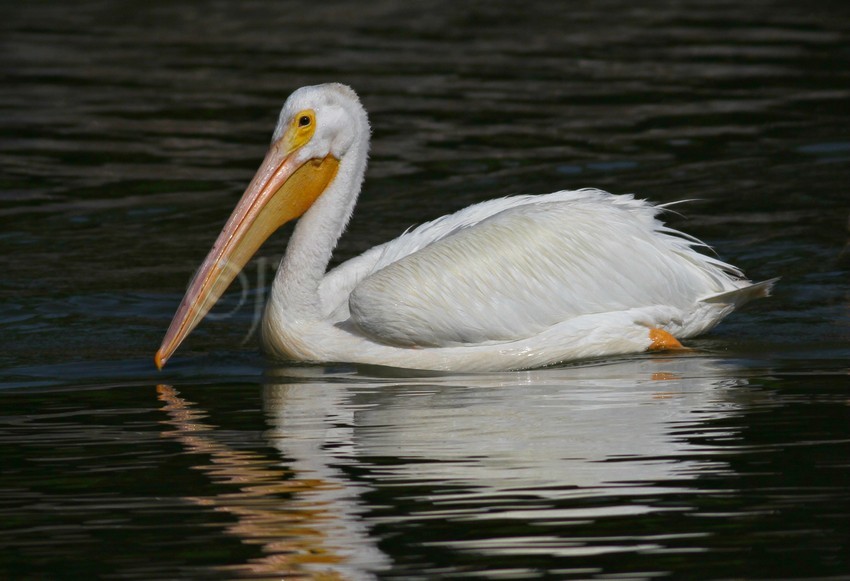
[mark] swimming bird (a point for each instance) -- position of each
(511, 283)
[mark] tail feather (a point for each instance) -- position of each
(743, 295)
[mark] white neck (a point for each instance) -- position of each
(295, 290)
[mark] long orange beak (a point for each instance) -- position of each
(281, 190)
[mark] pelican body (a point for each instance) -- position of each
(511, 283)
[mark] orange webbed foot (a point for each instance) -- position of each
(664, 341)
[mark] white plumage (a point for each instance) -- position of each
(511, 283)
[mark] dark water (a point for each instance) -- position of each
(127, 132)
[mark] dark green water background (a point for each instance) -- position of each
(128, 130)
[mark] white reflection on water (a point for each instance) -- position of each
(503, 444)
(302, 519)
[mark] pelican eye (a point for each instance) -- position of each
(302, 127)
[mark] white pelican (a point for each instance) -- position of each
(512, 283)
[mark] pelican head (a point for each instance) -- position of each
(318, 125)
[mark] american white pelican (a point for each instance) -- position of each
(511, 283)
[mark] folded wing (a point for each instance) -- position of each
(511, 269)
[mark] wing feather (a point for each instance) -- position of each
(516, 266)
(340, 282)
